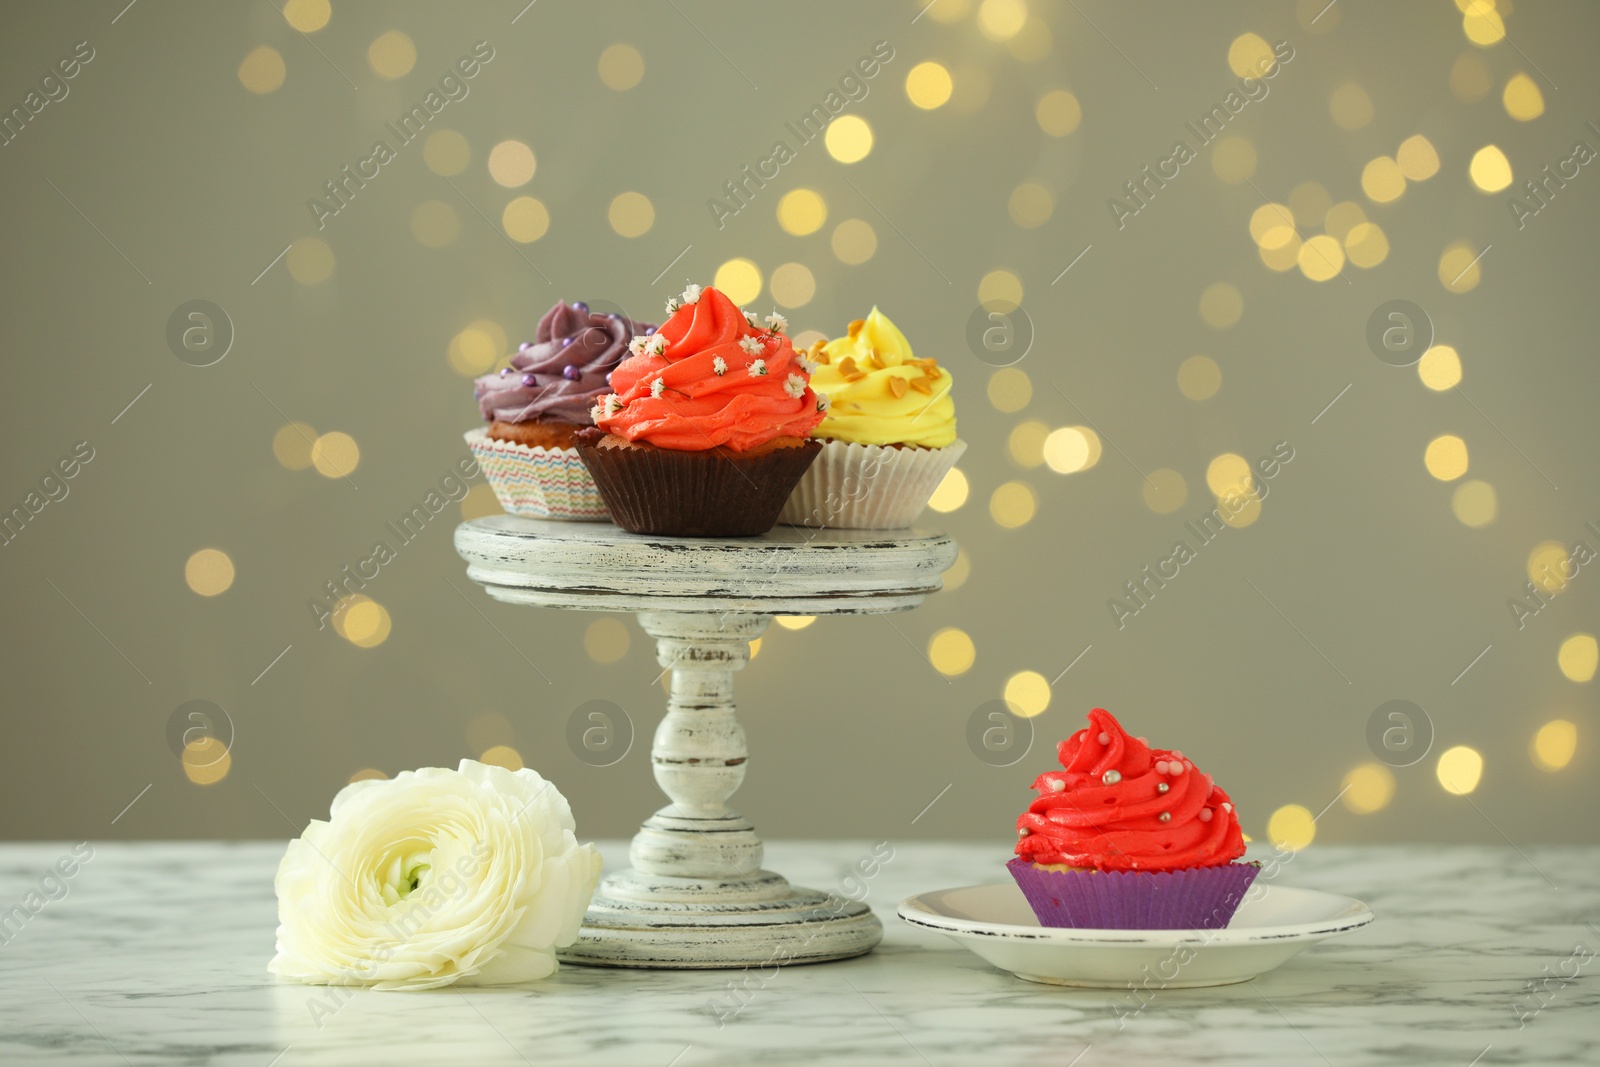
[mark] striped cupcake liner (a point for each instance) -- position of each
(537, 483)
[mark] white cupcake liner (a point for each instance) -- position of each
(868, 487)
(537, 483)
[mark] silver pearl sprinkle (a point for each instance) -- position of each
(1023, 832)
(1165, 816)
(1111, 777)
(1162, 787)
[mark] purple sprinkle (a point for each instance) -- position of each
(504, 371)
(579, 305)
(529, 380)
(648, 330)
(613, 315)
(571, 373)
(524, 346)
(565, 341)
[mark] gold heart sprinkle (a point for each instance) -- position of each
(897, 386)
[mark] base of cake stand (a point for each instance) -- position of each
(696, 895)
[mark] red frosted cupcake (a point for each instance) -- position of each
(705, 430)
(1129, 837)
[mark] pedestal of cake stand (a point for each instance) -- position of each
(696, 894)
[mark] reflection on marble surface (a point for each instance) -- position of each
(157, 955)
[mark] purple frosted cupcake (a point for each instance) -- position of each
(1129, 837)
(536, 405)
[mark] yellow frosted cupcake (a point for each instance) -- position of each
(888, 432)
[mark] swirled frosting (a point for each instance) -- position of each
(710, 377)
(1120, 805)
(560, 373)
(878, 393)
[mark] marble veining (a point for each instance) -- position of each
(157, 955)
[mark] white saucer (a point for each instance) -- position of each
(1273, 925)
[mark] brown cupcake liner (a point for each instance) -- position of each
(711, 493)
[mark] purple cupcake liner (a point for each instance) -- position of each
(1196, 898)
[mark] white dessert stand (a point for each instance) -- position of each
(696, 895)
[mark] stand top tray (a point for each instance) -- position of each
(790, 570)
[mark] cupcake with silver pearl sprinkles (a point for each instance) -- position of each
(1129, 837)
(536, 404)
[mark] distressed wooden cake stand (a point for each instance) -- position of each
(696, 894)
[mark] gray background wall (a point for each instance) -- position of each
(159, 179)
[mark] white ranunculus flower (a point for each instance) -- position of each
(433, 877)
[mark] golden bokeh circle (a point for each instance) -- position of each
(1440, 368)
(366, 623)
(1233, 159)
(1321, 258)
(1058, 112)
(1522, 98)
(1027, 693)
(606, 640)
(1368, 787)
(1001, 20)
(310, 261)
(1199, 378)
(739, 280)
(1000, 290)
(446, 152)
(1221, 305)
(1010, 389)
(1250, 56)
(335, 454)
(291, 445)
(802, 211)
(1446, 457)
(525, 219)
(792, 285)
(951, 493)
(435, 224)
(206, 761)
(1026, 443)
(392, 55)
(1417, 157)
(1578, 656)
(209, 572)
(631, 214)
(1459, 769)
(621, 67)
(1350, 106)
(1164, 491)
(928, 85)
(1013, 504)
(512, 163)
(951, 651)
(1475, 503)
(854, 241)
(262, 70)
(307, 16)
(1031, 204)
(848, 138)
(1292, 827)
(1554, 744)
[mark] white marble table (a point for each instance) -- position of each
(157, 955)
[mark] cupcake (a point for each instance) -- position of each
(706, 429)
(1129, 837)
(889, 435)
(537, 404)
